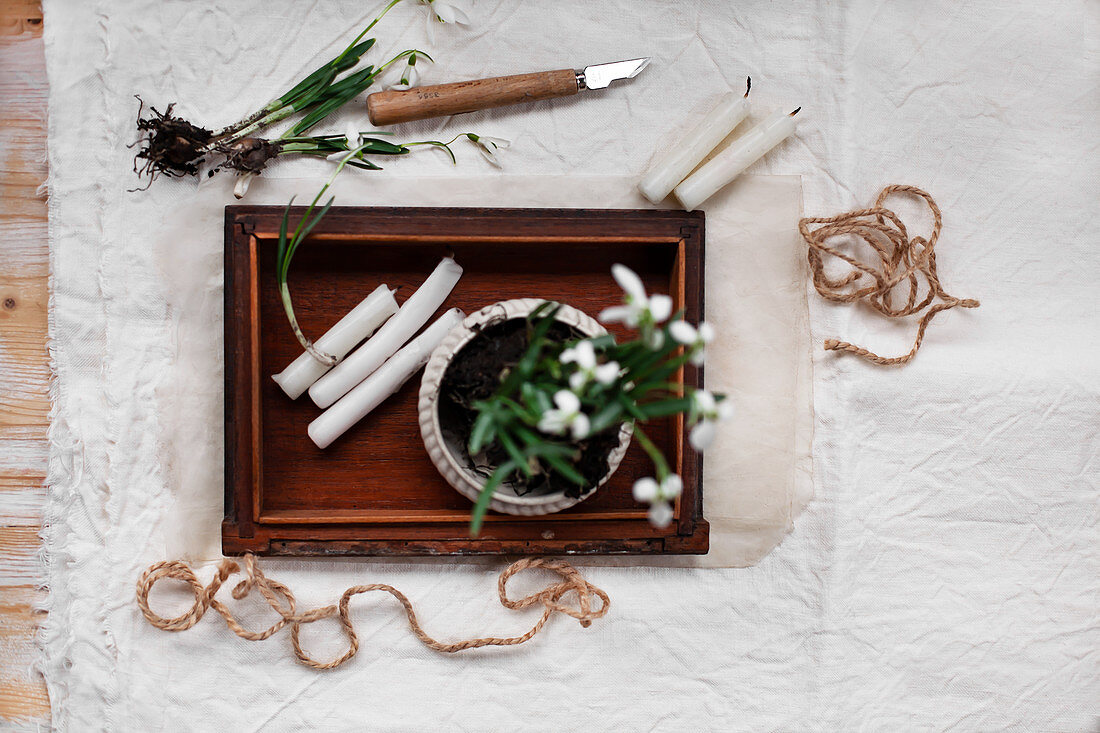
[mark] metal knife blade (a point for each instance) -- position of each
(600, 76)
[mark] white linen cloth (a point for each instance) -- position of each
(946, 575)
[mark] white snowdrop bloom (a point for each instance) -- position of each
(441, 12)
(659, 496)
(583, 354)
(646, 489)
(566, 418)
(410, 77)
(638, 308)
(707, 412)
(660, 514)
(488, 146)
(352, 136)
(696, 339)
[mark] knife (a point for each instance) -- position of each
(419, 103)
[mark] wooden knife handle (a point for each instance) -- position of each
(391, 107)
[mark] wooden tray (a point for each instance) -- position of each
(374, 491)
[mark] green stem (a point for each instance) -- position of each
(653, 452)
(438, 144)
(245, 122)
(288, 306)
(269, 119)
(366, 30)
(287, 254)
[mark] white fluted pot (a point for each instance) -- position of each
(448, 453)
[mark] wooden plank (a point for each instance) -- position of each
(24, 400)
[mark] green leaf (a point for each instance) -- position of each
(606, 417)
(564, 469)
(514, 452)
(630, 406)
(352, 55)
(599, 343)
(522, 371)
(308, 85)
(518, 410)
(349, 58)
(659, 373)
(482, 432)
(301, 236)
(537, 399)
(664, 408)
(541, 310)
(382, 147)
(335, 97)
(477, 516)
(280, 253)
(313, 93)
(364, 165)
(358, 81)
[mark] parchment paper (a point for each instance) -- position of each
(756, 475)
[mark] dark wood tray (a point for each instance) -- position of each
(374, 491)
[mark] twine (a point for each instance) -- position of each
(902, 261)
(279, 597)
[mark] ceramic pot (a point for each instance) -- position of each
(446, 448)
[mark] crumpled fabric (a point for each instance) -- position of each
(944, 578)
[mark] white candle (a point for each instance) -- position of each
(727, 165)
(674, 166)
(413, 314)
(372, 391)
(360, 322)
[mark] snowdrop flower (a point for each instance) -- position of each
(696, 339)
(584, 356)
(441, 12)
(352, 136)
(488, 146)
(353, 139)
(410, 77)
(567, 416)
(659, 497)
(707, 412)
(638, 309)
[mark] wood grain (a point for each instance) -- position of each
(375, 491)
(441, 100)
(24, 372)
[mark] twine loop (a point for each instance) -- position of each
(282, 601)
(905, 266)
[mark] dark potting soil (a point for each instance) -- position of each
(476, 372)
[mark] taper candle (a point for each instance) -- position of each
(360, 322)
(675, 165)
(387, 379)
(728, 164)
(413, 314)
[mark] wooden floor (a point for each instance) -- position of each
(24, 373)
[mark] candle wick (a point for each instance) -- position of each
(792, 114)
(748, 85)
